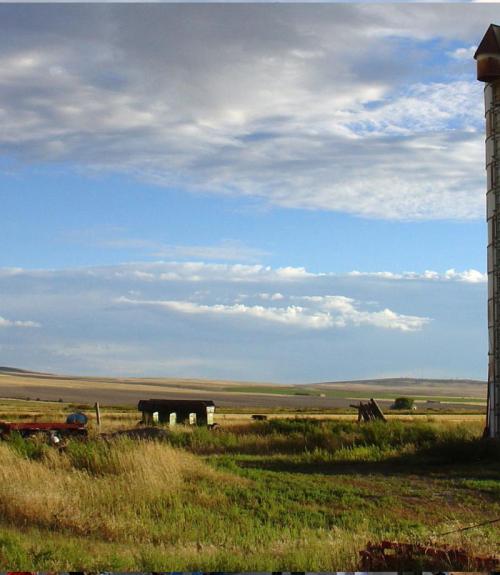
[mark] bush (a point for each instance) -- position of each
(403, 403)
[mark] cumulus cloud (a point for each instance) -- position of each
(463, 53)
(173, 271)
(201, 271)
(241, 273)
(346, 311)
(271, 296)
(322, 312)
(470, 276)
(270, 102)
(17, 323)
(290, 315)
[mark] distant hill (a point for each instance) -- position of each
(398, 381)
(22, 383)
(408, 386)
(5, 369)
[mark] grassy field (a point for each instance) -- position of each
(116, 416)
(283, 494)
(352, 394)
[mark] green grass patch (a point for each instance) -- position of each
(283, 494)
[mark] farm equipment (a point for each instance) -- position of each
(394, 556)
(369, 411)
(75, 426)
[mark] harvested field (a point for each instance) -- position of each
(460, 395)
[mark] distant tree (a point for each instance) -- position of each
(403, 403)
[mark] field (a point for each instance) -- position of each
(434, 395)
(290, 493)
(307, 489)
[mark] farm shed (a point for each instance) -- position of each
(172, 411)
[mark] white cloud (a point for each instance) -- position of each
(346, 311)
(17, 323)
(199, 272)
(222, 326)
(290, 315)
(174, 271)
(142, 275)
(463, 53)
(322, 312)
(114, 239)
(271, 296)
(467, 276)
(420, 108)
(226, 250)
(6, 272)
(281, 108)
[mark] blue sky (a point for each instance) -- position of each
(279, 192)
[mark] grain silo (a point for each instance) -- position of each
(488, 70)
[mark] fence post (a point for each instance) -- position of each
(98, 415)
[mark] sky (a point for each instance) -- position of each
(280, 192)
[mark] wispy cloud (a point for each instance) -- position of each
(227, 250)
(468, 276)
(124, 359)
(17, 323)
(117, 239)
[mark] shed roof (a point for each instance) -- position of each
(150, 405)
(490, 44)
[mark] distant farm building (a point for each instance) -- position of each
(172, 411)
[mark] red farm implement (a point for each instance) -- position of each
(396, 556)
(52, 429)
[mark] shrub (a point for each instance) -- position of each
(31, 448)
(403, 403)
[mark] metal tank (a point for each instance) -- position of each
(487, 57)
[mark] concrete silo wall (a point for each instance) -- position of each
(492, 113)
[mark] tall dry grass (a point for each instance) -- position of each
(111, 489)
(263, 504)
